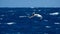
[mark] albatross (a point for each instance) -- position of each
(37, 15)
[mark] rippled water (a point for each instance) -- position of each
(19, 21)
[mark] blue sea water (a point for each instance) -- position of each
(25, 25)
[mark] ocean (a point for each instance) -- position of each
(29, 20)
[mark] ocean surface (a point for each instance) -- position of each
(19, 21)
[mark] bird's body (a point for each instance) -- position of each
(37, 15)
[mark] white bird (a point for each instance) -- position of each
(33, 15)
(37, 15)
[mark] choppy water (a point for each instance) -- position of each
(11, 23)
